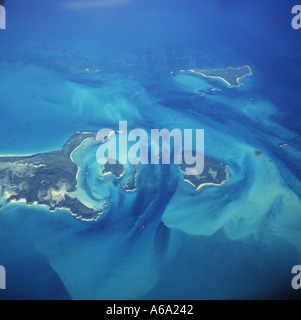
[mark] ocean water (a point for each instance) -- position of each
(69, 66)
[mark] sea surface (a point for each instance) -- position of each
(69, 66)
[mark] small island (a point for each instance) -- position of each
(231, 76)
(131, 185)
(215, 173)
(116, 169)
(258, 154)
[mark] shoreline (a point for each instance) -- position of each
(212, 77)
(16, 155)
(201, 72)
(50, 210)
(209, 183)
(71, 158)
(71, 154)
(41, 152)
(206, 184)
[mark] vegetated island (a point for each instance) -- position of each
(231, 76)
(46, 179)
(131, 184)
(118, 170)
(215, 173)
(49, 179)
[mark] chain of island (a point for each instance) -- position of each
(50, 179)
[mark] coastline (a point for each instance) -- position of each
(238, 79)
(209, 183)
(71, 154)
(212, 77)
(42, 153)
(71, 158)
(67, 152)
(35, 203)
(16, 155)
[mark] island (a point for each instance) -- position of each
(215, 173)
(46, 179)
(51, 179)
(131, 184)
(231, 76)
(258, 154)
(116, 169)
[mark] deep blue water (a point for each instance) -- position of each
(67, 66)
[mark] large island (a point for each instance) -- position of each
(46, 179)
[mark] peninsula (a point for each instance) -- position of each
(46, 179)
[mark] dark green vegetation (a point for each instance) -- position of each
(45, 179)
(214, 173)
(116, 169)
